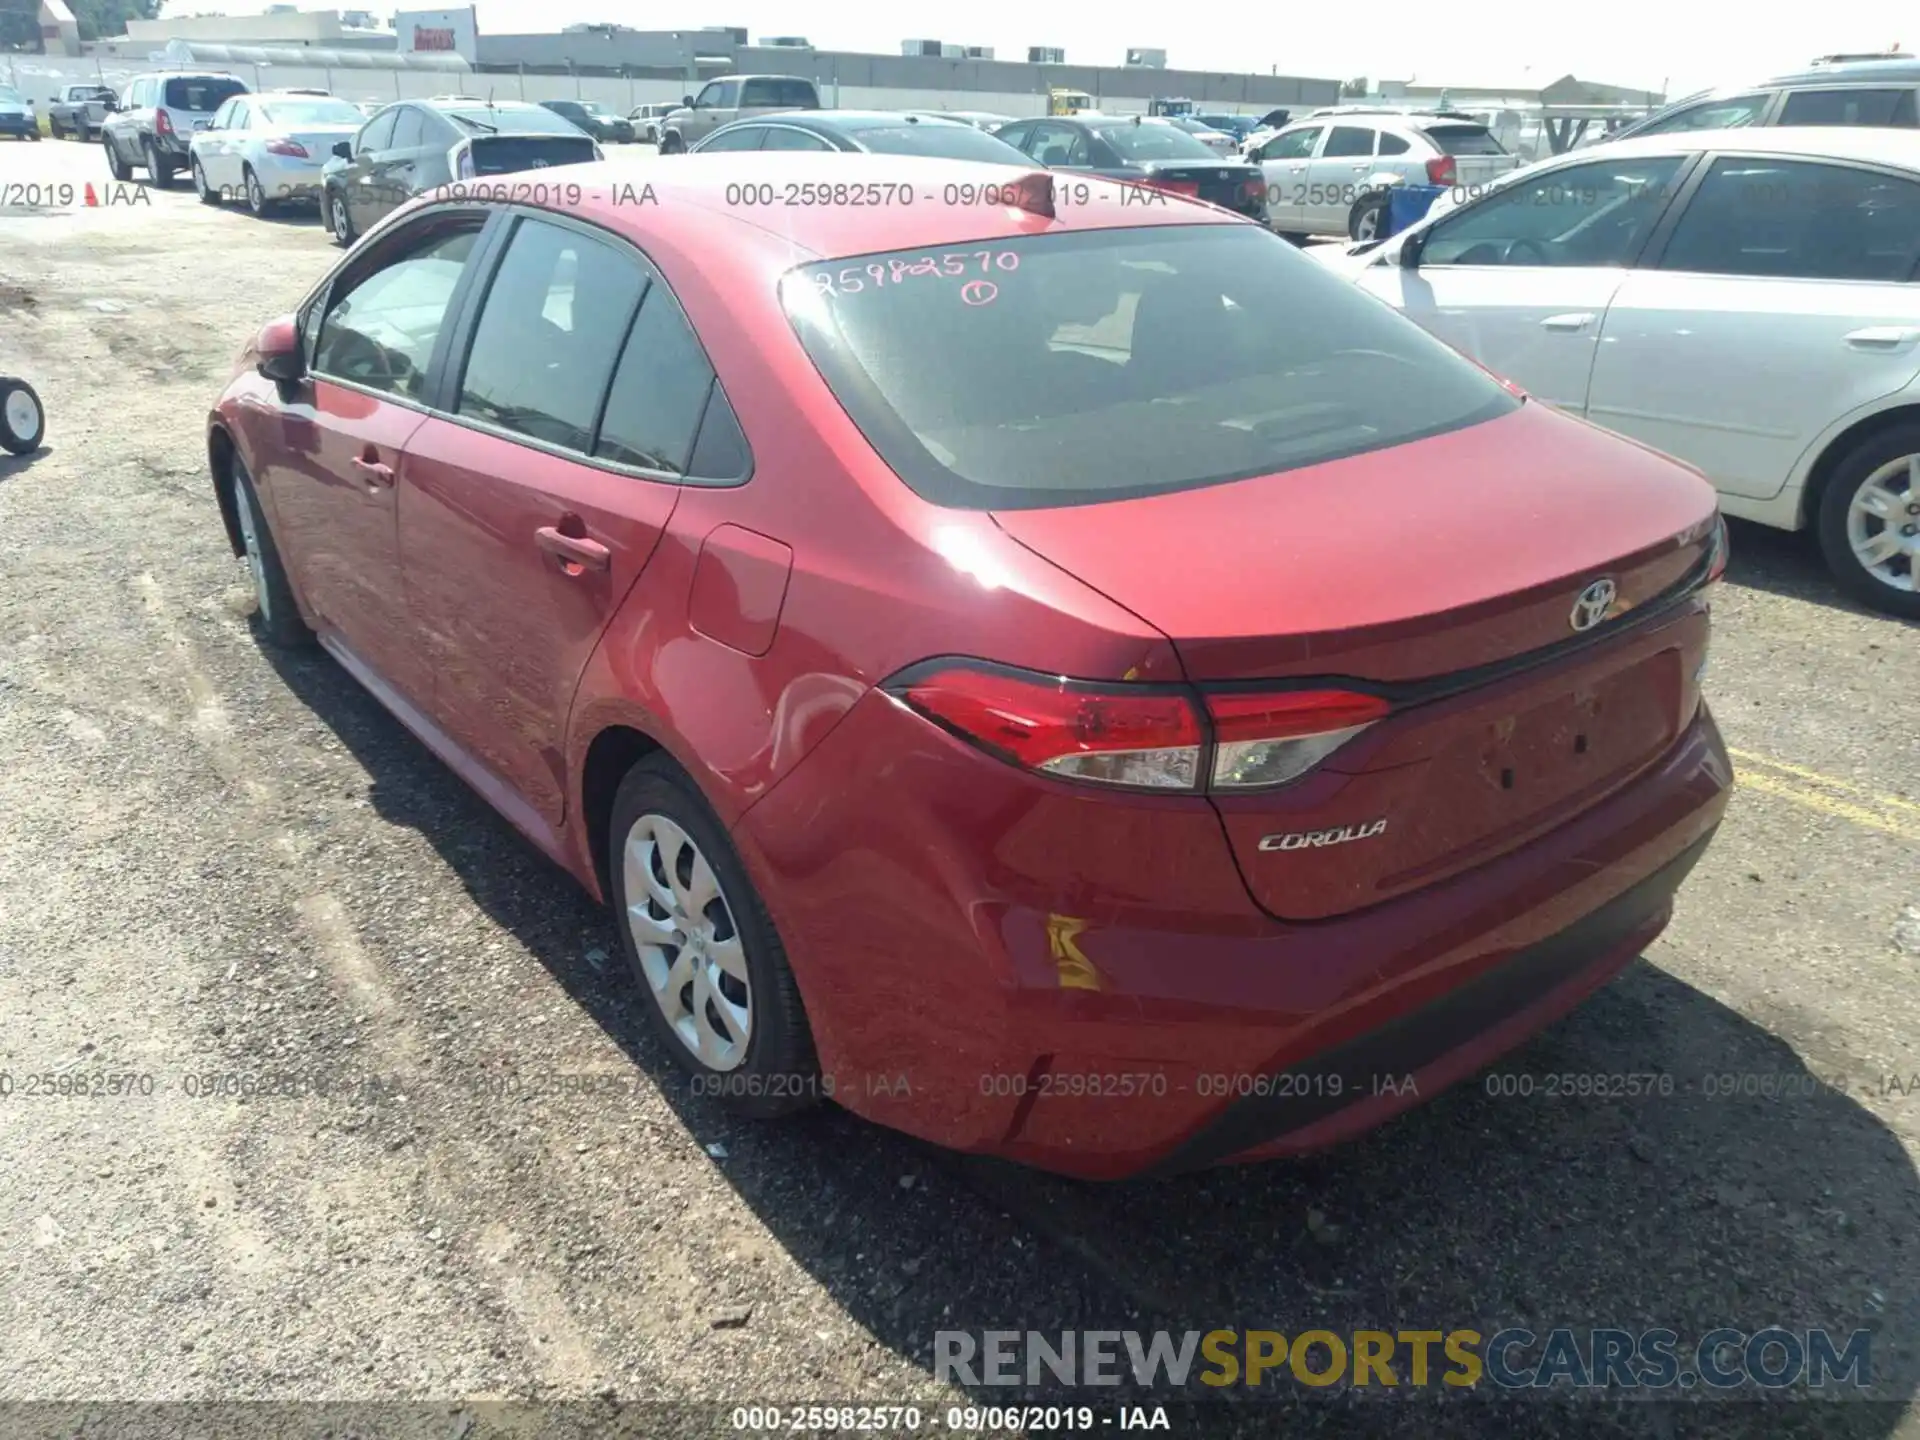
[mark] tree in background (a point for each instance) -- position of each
(100, 18)
(1355, 89)
(19, 25)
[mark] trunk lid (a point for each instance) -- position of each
(1444, 575)
(1220, 183)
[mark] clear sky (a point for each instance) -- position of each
(1646, 44)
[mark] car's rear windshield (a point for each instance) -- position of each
(510, 154)
(1464, 140)
(206, 93)
(951, 142)
(525, 120)
(797, 93)
(1096, 365)
(312, 112)
(1155, 142)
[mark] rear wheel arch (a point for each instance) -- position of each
(220, 457)
(1820, 474)
(612, 753)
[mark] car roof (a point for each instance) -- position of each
(849, 120)
(692, 197)
(1850, 72)
(1871, 144)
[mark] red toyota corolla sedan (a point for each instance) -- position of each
(1041, 663)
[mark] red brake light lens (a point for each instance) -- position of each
(287, 147)
(1441, 170)
(1139, 736)
(1122, 735)
(1263, 740)
(1718, 550)
(162, 122)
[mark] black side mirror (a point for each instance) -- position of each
(343, 149)
(1410, 249)
(687, 100)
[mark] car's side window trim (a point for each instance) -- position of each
(444, 392)
(390, 249)
(820, 141)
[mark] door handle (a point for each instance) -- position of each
(1569, 324)
(575, 549)
(379, 476)
(1883, 337)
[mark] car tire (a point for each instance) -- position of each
(672, 144)
(1871, 507)
(53, 129)
(116, 167)
(339, 220)
(23, 419)
(278, 612)
(665, 848)
(158, 171)
(258, 205)
(208, 195)
(1368, 218)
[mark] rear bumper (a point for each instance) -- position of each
(17, 125)
(997, 964)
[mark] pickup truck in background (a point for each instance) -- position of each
(80, 111)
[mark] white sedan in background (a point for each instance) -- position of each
(1745, 300)
(267, 149)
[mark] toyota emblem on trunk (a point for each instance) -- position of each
(1594, 603)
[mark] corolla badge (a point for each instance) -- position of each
(1314, 839)
(1593, 605)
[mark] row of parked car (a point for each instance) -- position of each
(1746, 302)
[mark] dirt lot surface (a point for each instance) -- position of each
(215, 862)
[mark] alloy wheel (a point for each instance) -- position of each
(690, 950)
(256, 562)
(1367, 226)
(1883, 524)
(342, 226)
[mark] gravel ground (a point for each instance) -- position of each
(215, 861)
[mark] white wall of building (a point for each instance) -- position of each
(41, 76)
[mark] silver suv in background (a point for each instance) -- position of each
(1330, 173)
(1863, 92)
(158, 115)
(737, 97)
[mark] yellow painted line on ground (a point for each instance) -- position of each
(1893, 824)
(1800, 772)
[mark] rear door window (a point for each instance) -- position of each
(1393, 144)
(1595, 214)
(797, 94)
(1058, 145)
(659, 393)
(551, 327)
(1091, 365)
(409, 130)
(1347, 141)
(381, 332)
(1893, 106)
(1800, 220)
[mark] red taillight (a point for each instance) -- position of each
(1253, 189)
(1119, 735)
(1136, 735)
(162, 122)
(1717, 551)
(1262, 740)
(288, 147)
(1441, 170)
